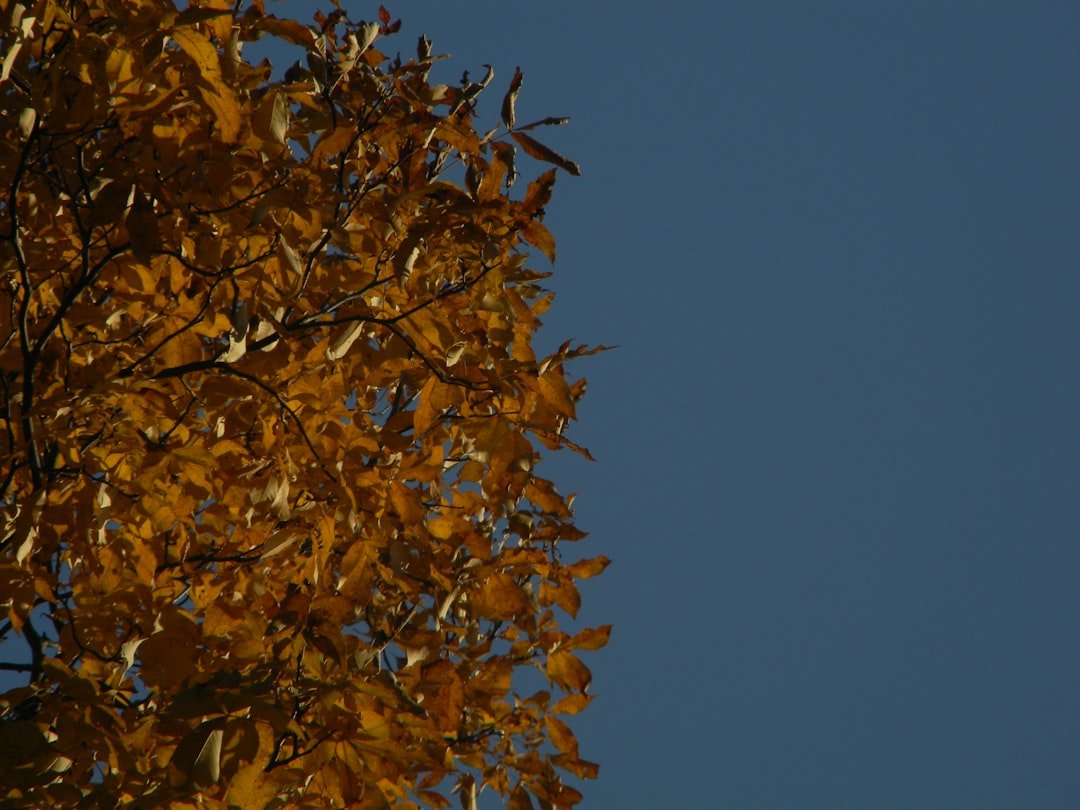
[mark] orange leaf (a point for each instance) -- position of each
(540, 237)
(591, 639)
(556, 392)
(406, 503)
(561, 736)
(572, 704)
(290, 349)
(563, 594)
(567, 671)
(501, 597)
(583, 569)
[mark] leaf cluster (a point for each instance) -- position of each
(271, 524)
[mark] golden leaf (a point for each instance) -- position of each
(270, 121)
(501, 597)
(583, 569)
(539, 237)
(567, 671)
(217, 95)
(571, 704)
(591, 639)
(201, 51)
(561, 736)
(276, 423)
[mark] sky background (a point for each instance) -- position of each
(839, 246)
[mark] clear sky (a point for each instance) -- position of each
(839, 246)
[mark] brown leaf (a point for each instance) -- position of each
(194, 16)
(510, 99)
(539, 193)
(288, 30)
(544, 122)
(519, 799)
(537, 150)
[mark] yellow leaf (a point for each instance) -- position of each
(374, 724)
(202, 52)
(443, 528)
(425, 414)
(252, 786)
(218, 96)
(225, 108)
(556, 392)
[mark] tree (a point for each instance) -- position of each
(272, 528)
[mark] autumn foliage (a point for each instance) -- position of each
(272, 532)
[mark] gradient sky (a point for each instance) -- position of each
(839, 246)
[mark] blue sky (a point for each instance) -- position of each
(838, 447)
(838, 246)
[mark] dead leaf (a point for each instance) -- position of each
(537, 150)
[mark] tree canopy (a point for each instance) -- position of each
(272, 528)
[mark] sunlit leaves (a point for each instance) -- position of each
(273, 424)
(219, 96)
(567, 671)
